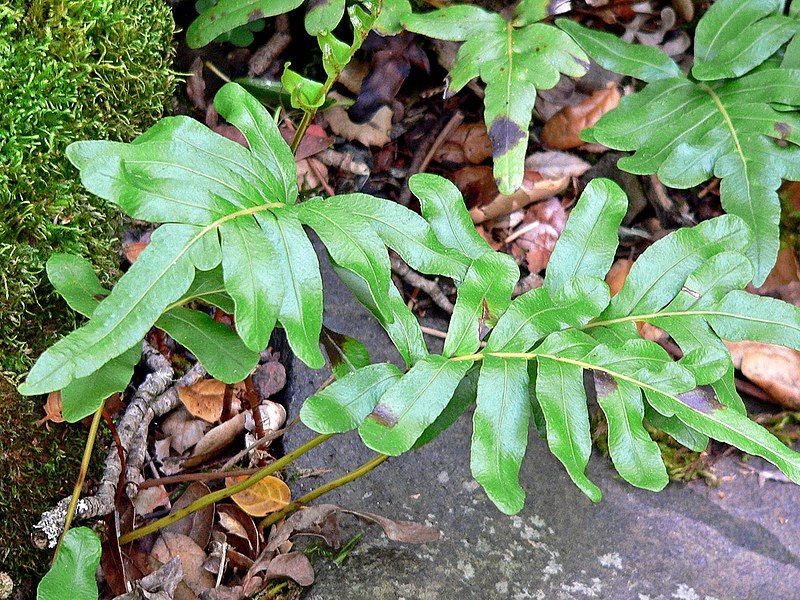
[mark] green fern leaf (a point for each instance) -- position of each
(745, 131)
(515, 58)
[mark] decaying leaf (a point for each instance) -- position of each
(204, 399)
(52, 409)
(294, 565)
(374, 132)
(192, 557)
(197, 525)
(158, 585)
(469, 143)
(562, 131)
(266, 496)
(534, 188)
(775, 369)
(184, 429)
(556, 165)
(538, 233)
(148, 499)
(216, 439)
(243, 534)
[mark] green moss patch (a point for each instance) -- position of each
(71, 70)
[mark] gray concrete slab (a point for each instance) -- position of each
(689, 542)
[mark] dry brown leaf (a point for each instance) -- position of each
(170, 545)
(184, 429)
(198, 525)
(132, 250)
(311, 174)
(243, 535)
(535, 238)
(775, 369)
(374, 132)
(534, 188)
(562, 131)
(266, 496)
(617, 274)
(52, 409)
(204, 399)
(294, 565)
(148, 499)
(555, 165)
(469, 143)
(158, 585)
(216, 439)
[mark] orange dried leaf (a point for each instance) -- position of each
(266, 496)
(775, 369)
(616, 276)
(469, 143)
(133, 250)
(204, 399)
(562, 130)
(52, 409)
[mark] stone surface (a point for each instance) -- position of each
(689, 542)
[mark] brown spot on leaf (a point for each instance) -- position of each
(784, 131)
(504, 135)
(702, 399)
(312, 4)
(255, 15)
(584, 63)
(384, 415)
(604, 384)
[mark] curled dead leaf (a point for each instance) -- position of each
(216, 439)
(170, 545)
(294, 565)
(148, 499)
(469, 143)
(184, 429)
(204, 399)
(775, 369)
(266, 496)
(556, 165)
(52, 409)
(534, 188)
(198, 525)
(562, 131)
(374, 132)
(535, 238)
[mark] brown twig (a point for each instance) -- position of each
(428, 286)
(184, 477)
(323, 489)
(227, 492)
(446, 132)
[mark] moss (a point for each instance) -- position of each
(72, 70)
(682, 464)
(38, 466)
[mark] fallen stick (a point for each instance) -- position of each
(153, 398)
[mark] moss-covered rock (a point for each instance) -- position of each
(69, 70)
